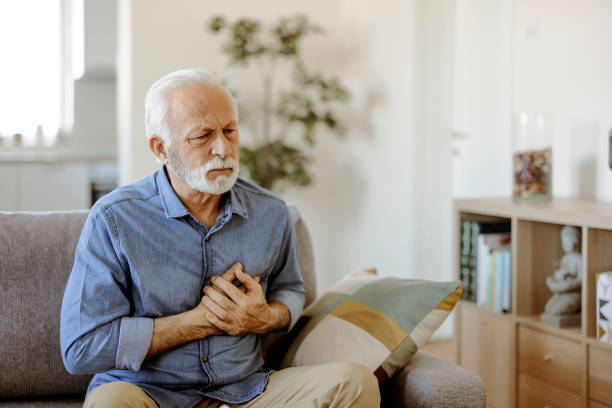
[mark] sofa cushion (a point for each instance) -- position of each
(36, 257)
(75, 401)
(379, 322)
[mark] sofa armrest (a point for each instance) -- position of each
(427, 381)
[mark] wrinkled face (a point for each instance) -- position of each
(203, 149)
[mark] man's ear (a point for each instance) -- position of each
(158, 147)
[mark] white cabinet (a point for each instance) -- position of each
(8, 187)
(52, 186)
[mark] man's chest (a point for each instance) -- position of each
(170, 260)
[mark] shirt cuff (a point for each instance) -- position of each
(294, 302)
(135, 335)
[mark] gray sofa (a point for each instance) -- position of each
(36, 256)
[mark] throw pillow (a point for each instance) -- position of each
(378, 322)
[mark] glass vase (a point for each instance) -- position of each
(532, 156)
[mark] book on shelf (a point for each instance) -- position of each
(467, 259)
(496, 271)
(485, 264)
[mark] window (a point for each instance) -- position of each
(35, 78)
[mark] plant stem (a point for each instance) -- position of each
(267, 107)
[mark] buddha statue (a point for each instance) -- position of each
(563, 308)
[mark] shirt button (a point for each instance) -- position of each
(204, 359)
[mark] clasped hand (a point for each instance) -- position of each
(238, 310)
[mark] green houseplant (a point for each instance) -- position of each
(306, 105)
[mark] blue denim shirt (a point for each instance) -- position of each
(142, 255)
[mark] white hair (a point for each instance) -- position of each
(156, 101)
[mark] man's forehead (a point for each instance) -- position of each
(193, 95)
(208, 103)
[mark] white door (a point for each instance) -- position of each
(481, 103)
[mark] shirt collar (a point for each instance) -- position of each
(174, 208)
(237, 203)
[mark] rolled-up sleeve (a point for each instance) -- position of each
(286, 285)
(96, 331)
(134, 340)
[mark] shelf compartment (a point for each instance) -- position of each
(482, 217)
(538, 255)
(598, 259)
(468, 261)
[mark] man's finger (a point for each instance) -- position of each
(219, 298)
(213, 307)
(218, 323)
(248, 281)
(230, 274)
(230, 290)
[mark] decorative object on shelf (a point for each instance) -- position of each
(17, 139)
(563, 308)
(307, 100)
(532, 156)
(604, 307)
(39, 136)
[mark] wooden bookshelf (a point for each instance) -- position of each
(523, 362)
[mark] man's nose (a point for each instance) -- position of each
(220, 146)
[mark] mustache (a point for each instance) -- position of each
(218, 163)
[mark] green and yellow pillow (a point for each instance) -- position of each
(378, 322)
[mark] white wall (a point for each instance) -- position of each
(563, 64)
(433, 178)
(522, 55)
(370, 204)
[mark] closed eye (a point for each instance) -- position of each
(207, 134)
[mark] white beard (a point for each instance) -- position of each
(196, 178)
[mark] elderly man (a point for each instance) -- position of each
(178, 274)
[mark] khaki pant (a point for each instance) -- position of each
(334, 385)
